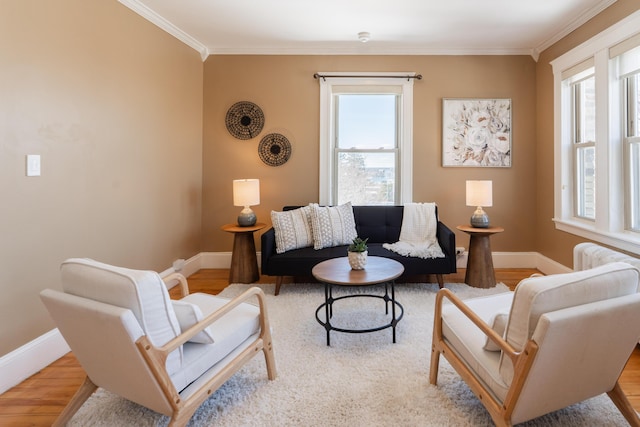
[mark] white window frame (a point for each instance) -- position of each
(327, 128)
(609, 225)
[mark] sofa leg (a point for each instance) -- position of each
(278, 284)
(440, 280)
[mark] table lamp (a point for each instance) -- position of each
(479, 194)
(246, 192)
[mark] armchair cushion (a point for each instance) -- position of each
(536, 296)
(189, 314)
(228, 333)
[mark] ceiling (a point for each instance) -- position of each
(410, 27)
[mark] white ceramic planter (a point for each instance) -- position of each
(357, 260)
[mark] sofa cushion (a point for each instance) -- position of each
(292, 229)
(536, 296)
(380, 224)
(332, 225)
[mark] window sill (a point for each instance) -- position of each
(626, 241)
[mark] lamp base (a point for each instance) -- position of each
(247, 217)
(480, 219)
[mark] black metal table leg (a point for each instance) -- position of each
(394, 321)
(328, 301)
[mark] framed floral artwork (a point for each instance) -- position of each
(476, 132)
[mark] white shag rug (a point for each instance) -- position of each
(361, 380)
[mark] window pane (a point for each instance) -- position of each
(584, 105)
(633, 105)
(366, 121)
(634, 185)
(586, 182)
(366, 178)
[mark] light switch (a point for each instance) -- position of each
(33, 165)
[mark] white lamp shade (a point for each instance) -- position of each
(246, 192)
(479, 193)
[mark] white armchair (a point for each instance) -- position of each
(133, 340)
(555, 341)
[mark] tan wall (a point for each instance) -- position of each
(558, 245)
(283, 86)
(113, 105)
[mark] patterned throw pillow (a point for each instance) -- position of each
(332, 225)
(292, 229)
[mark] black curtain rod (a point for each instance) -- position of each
(325, 77)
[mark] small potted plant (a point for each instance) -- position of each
(357, 253)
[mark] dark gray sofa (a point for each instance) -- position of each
(381, 224)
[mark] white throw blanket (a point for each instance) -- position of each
(418, 232)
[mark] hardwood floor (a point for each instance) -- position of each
(38, 400)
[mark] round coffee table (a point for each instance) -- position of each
(379, 270)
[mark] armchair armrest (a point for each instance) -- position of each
(157, 356)
(208, 320)
(182, 282)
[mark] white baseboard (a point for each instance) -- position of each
(219, 259)
(25, 361)
(549, 266)
(519, 260)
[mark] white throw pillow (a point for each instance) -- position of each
(498, 323)
(332, 225)
(292, 229)
(189, 314)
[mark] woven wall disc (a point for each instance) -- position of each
(274, 149)
(244, 120)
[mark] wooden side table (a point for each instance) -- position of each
(480, 273)
(244, 262)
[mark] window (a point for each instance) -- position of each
(366, 136)
(366, 139)
(583, 129)
(597, 141)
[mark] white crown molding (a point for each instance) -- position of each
(369, 50)
(167, 26)
(571, 26)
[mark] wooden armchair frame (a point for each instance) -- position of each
(156, 358)
(500, 412)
